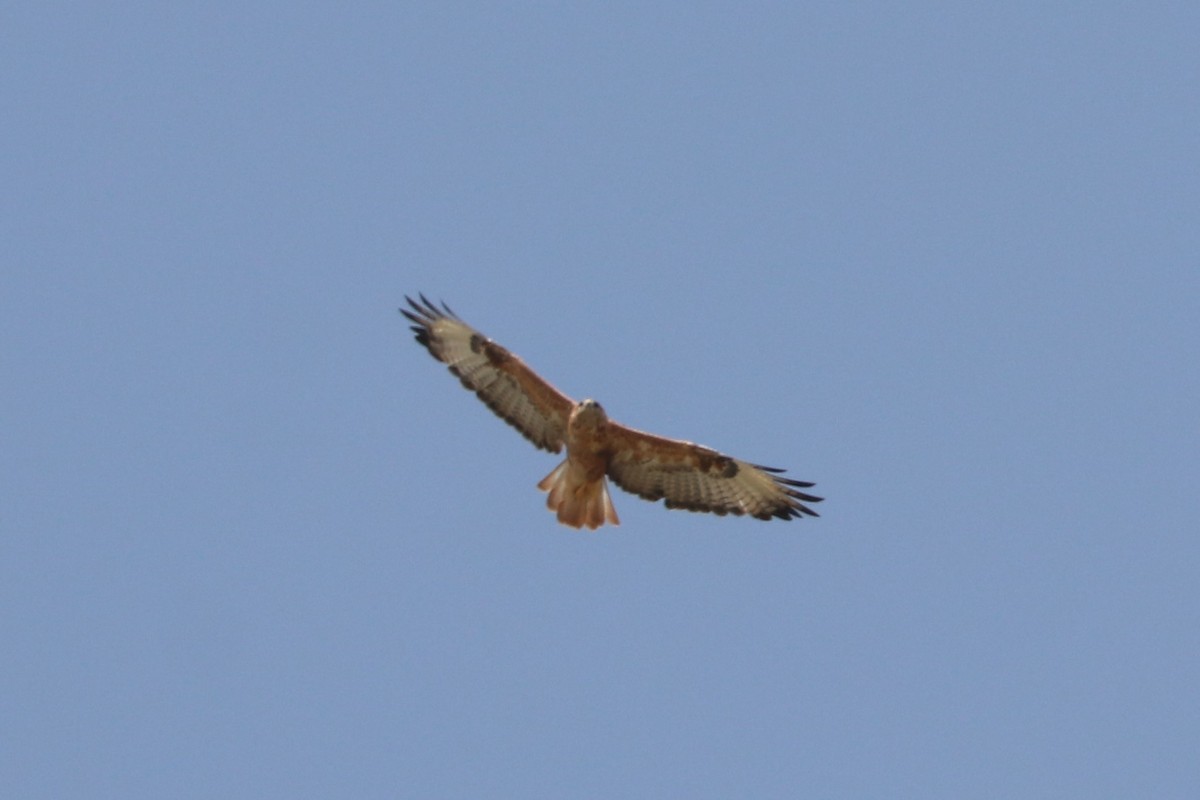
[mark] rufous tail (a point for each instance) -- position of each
(579, 502)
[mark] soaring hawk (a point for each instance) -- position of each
(683, 474)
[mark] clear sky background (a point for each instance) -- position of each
(942, 259)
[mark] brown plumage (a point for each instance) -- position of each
(683, 474)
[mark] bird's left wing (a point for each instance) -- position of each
(516, 394)
(689, 476)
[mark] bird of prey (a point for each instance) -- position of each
(683, 474)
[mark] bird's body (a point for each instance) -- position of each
(578, 489)
(683, 474)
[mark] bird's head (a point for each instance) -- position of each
(589, 413)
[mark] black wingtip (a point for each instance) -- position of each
(423, 319)
(415, 306)
(429, 309)
(790, 482)
(426, 310)
(429, 305)
(795, 508)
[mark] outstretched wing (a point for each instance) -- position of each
(517, 394)
(689, 476)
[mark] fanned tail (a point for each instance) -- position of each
(578, 501)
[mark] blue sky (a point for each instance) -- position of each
(941, 259)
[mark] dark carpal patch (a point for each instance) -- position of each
(496, 355)
(715, 463)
